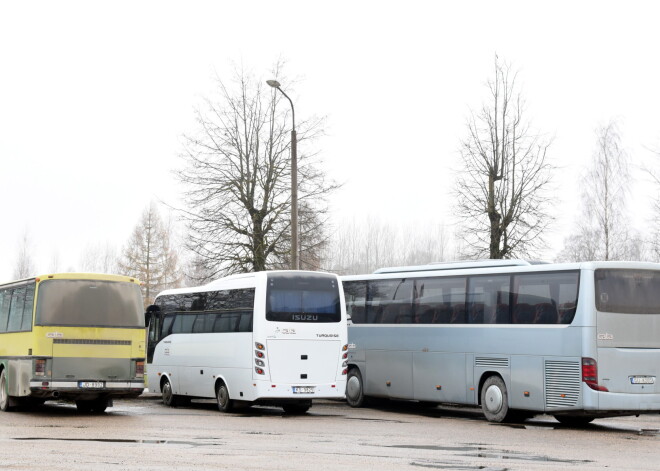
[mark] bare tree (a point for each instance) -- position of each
(603, 228)
(99, 258)
(501, 189)
(24, 263)
(149, 257)
(363, 246)
(237, 179)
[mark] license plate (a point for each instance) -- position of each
(91, 384)
(642, 379)
(303, 389)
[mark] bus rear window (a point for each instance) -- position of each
(628, 291)
(89, 303)
(302, 298)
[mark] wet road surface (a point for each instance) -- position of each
(142, 434)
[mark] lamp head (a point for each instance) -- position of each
(273, 83)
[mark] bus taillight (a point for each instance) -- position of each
(590, 374)
(40, 367)
(139, 369)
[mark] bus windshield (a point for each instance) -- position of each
(628, 291)
(302, 298)
(89, 303)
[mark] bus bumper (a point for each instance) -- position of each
(630, 404)
(266, 391)
(86, 389)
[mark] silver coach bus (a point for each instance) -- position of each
(577, 341)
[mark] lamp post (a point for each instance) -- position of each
(295, 263)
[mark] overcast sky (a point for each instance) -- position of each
(94, 98)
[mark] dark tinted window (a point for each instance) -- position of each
(544, 298)
(488, 300)
(355, 294)
(389, 301)
(628, 291)
(302, 298)
(440, 300)
(215, 311)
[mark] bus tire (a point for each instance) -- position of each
(354, 388)
(7, 404)
(574, 420)
(169, 398)
(100, 405)
(495, 399)
(298, 408)
(225, 404)
(84, 406)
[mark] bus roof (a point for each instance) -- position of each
(458, 265)
(75, 276)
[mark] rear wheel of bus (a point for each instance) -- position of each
(94, 405)
(222, 396)
(297, 408)
(495, 399)
(6, 403)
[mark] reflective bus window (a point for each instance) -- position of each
(16, 309)
(28, 309)
(540, 297)
(355, 294)
(628, 291)
(389, 301)
(442, 298)
(5, 302)
(488, 300)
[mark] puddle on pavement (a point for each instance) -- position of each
(368, 419)
(481, 451)
(120, 440)
(454, 467)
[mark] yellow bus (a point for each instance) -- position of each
(71, 336)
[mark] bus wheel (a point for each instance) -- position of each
(574, 420)
(100, 405)
(298, 408)
(169, 399)
(5, 401)
(354, 389)
(495, 399)
(222, 396)
(85, 406)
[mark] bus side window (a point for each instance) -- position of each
(26, 324)
(245, 324)
(5, 301)
(16, 309)
(167, 326)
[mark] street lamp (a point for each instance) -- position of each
(295, 263)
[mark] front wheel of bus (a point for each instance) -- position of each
(354, 389)
(495, 399)
(169, 399)
(222, 396)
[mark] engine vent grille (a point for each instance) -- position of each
(562, 383)
(92, 342)
(490, 362)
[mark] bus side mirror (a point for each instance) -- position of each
(149, 313)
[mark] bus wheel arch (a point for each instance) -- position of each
(354, 387)
(494, 397)
(225, 403)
